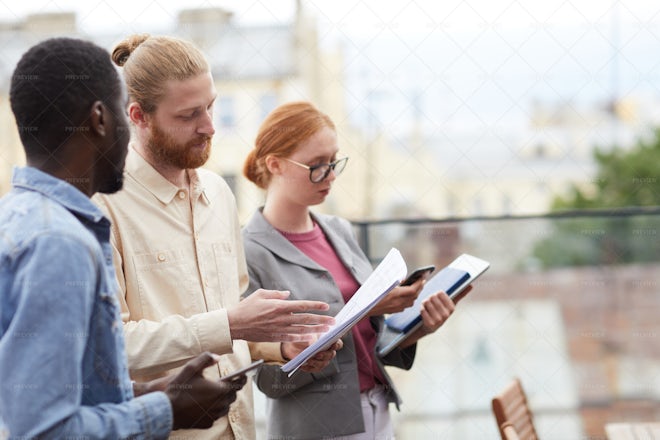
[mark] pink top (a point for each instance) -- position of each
(316, 246)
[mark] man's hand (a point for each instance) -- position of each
(313, 364)
(197, 402)
(399, 298)
(267, 316)
(160, 384)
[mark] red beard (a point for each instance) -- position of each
(169, 152)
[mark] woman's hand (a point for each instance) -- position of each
(314, 364)
(435, 311)
(399, 298)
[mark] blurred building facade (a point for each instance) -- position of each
(16, 38)
(451, 174)
(256, 68)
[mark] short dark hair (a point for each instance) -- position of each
(53, 88)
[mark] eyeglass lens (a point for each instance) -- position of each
(319, 173)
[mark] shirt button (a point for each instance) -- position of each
(161, 257)
(182, 194)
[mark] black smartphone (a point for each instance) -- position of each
(417, 274)
(243, 370)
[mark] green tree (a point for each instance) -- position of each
(624, 178)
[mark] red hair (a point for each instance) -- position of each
(283, 130)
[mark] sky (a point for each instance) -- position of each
(353, 17)
(453, 63)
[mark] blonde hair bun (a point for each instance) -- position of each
(125, 48)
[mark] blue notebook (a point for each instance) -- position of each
(447, 280)
(452, 280)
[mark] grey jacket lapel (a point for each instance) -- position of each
(261, 232)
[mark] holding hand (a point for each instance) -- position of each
(197, 402)
(399, 298)
(267, 316)
(435, 311)
(314, 364)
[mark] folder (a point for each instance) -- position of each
(452, 280)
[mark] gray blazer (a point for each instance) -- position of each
(325, 404)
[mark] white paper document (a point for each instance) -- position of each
(384, 278)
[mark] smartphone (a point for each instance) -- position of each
(243, 370)
(417, 274)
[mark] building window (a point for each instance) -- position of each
(452, 205)
(226, 113)
(477, 206)
(540, 151)
(267, 104)
(231, 181)
(507, 205)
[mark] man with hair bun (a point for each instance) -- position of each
(176, 236)
(63, 371)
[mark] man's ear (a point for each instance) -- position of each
(98, 118)
(137, 115)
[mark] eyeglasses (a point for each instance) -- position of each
(318, 173)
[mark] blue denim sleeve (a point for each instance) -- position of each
(145, 417)
(46, 390)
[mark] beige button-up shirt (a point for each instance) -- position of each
(180, 263)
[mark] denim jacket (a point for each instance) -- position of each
(63, 371)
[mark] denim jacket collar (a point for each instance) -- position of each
(60, 191)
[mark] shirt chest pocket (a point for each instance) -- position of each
(167, 283)
(224, 275)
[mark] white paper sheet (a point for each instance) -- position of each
(384, 278)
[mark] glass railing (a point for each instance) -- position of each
(570, 305)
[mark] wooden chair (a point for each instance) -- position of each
(512, 413)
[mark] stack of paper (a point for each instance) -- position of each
(384, 278)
